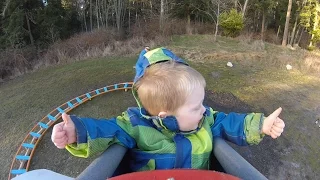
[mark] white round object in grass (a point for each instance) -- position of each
(229, 64)
(289, 67)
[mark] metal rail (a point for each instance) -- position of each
(22, 159)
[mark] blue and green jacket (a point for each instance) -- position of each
(157, 143)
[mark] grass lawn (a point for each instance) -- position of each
(258, 82)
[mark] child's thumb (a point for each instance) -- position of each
(276, 113)
(66, 118)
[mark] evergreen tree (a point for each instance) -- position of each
(309, 18)
(19, 22)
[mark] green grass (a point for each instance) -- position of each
(206, 43)
(35, 94)
(26, 99)
(261, 83)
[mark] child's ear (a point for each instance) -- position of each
(163, 114)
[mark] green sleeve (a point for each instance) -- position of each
(95, 136)
(252, 128)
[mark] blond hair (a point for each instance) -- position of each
(165, 86)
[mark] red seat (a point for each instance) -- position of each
(175, 174)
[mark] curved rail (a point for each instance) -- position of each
(22, 159)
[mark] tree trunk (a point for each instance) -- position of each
(161, 15)
(217, 23)
(112, 17)
(53, 37)
(144, 14)
(263, 24)
(123, 12)
(244, 8)
(101, 17)
(101, 13)
(278, 31)
(90, 14)
(107, 13)
(286, 27)
(311, 42)
(189, 31)
(316, 22)
(117, 6)
(129, 23)
(119, 12)
(301, 33)
(97, 14)
(29, 30)
(257, 22)
(293, 31)
(254, 21)
(297, 35)
(136, 16)
(85, 21)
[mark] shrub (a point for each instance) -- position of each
(231, 22)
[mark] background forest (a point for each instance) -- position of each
(36, 33)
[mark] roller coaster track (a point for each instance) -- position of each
(22, 159)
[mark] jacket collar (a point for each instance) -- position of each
(170, 122)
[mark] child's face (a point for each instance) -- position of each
(190, 114)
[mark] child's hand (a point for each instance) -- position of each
(273, 125)
(64, 133)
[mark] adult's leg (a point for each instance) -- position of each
(105, 165)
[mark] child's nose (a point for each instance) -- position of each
(203, 109)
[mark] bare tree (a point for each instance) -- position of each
(129, 16)
(217, 22)
(278, 31)
(107, 9)
(263, 24)
(90, 14)
(293, 33)
(161, 14)
(213, 11)
(286, 27)
(97, 13)
(119, 8)
(28, 19)
(244, 8)
(300, 36)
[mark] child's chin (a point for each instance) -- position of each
(196, 127)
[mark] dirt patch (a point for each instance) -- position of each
(225, 102)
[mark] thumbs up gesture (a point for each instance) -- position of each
(64, 133)
(273, 125)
